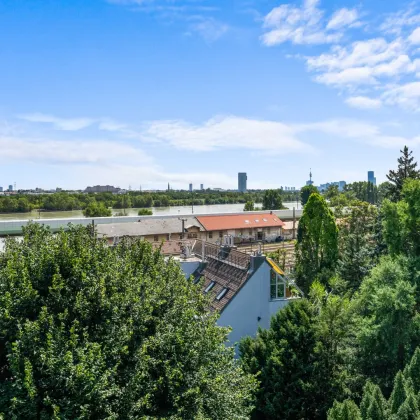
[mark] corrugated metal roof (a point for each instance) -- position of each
(242, 221)
(146, 227)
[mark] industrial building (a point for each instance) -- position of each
(102, 188)
(244, 227)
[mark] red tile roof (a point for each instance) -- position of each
(241, 221)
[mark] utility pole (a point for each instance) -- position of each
(294, 223)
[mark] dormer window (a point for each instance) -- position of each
(277, 286)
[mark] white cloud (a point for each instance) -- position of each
(210, 29)
(69, 124)
(363, 69)
(360, 131)
(227, 133)
(305, 25)
(414, 38)
(395, 23)
(363, 102)
(348, 77)
(406, 95)
(68, 151)
(342, 18)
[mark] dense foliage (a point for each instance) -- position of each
(22, 202)
(317, 243)
(305, 193)
(406, 170)
(95, 209)
(348, 350)
(272, 200)
(93, 332)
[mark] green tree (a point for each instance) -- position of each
(300, 360)
(332, 191)
(317, 243)
(357, 243)
(398, 395)
(95, 209)
(401, 221)
(249, 206)
(94, 332)
(347, 410)
(284, 360)
(272, 200)
(406, 169)
(389, 325)
(145, 212)
(409, 409)
(305, 193)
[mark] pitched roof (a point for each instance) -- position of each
(145, 227)
(225, 268)
(239, 221)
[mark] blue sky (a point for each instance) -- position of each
(146, 92)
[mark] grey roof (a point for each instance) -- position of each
(146, 227)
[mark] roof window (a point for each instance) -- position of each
(265, 220)
(209, 287)
(246, 221)
(257, 220)
(221, 294)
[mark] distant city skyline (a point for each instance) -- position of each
(152, 94)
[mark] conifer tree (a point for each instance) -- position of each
(346, 410)
(406, 169)
(375, 411)
(398, 395)
(412, 371)
(367, 398)
(409, 410)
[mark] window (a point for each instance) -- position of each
(268, 230)
(221, 294)
(221, 234)
(210, 235)
(250, 232)
(156, 238)
(277, 286)
(168, 236)
(209, 287)
(192, 235)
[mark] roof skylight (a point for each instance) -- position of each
(221, 294)
(209, 287)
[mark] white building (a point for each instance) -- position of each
(247, 290)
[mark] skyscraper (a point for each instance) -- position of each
(201, 187)
(371, 177)
(242, 178)
(191, 186)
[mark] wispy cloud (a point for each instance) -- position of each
(209, 28)
(66, 124)
(306, 24)
(197, 14)
(228, 133)
(369, 72)
(363, 102)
